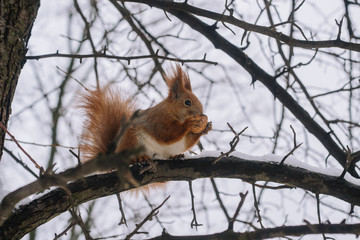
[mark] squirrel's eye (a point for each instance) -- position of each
(187, 102)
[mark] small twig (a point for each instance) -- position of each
(19, 146)
(257, 207)
(232, 220)
(77, 156)
(151, 206)
(318, 211)
(219, 199)
(350, 157)
(41, 145)
(123, 218)
(72, 224)
(76, 80)
(340, 26)
(81, 224)
(19, 161)
(296, 146)
(233, 143)
(167, 16)
(194, 222)
(149, 217)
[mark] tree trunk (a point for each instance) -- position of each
(16, 20)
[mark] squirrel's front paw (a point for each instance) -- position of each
(198, 123)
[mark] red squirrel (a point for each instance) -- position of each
(165, 130)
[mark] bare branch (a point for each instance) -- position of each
(296, 146)
(19, 146)
(123, 218)
(278, 232)
(173, 6)
(232, 220)
(194, 222)
(128, 59)
(149, 217)
(256, 205)
(233, 143)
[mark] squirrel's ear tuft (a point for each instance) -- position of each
(178, 81)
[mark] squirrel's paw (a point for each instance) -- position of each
(207, 129)
(141, 159)
(176, 157)
(197, 123)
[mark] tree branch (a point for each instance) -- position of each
(128, 59)
(57, 201)
(267, 31)
(271, 232)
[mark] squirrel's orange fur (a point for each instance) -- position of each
(165, 130)
(105, 112)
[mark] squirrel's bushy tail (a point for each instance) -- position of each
(106, 110)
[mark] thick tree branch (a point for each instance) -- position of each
(16, 21)
(267, 31)
(271, 232)
(44, 208)
(119, 161)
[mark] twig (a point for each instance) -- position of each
(232, 220)
(19, 161)
(149, 217)
(219, 199)
(340, 26)
(123, 218)
(257, 207)
(156, 217)
(77, 156)
(81, 224)
(233, 143)
(72, 224)
(19, 146)
(350, 157)
(76, 80)
(41, 145)
(194, 222)
(296, 146)
(318, 211)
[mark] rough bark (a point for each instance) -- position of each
(43, 209)
(16, 20)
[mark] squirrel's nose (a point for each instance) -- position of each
(197, 113)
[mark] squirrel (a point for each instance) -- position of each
(165, 130)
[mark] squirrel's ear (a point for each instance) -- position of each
(183, 77)
(178, 82)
